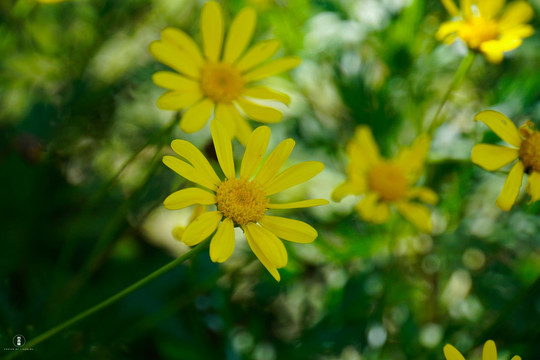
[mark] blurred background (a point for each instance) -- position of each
(77, 101)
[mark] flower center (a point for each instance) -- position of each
(221, 82)
(477, 30)
(389, 181)
(529, 152)
(241, 200)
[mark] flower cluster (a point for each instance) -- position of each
(220, 82)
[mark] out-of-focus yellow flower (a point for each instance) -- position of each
(387, 182)
(489, 352)
(221, 80)
(526, 148)
(486, 27)
(50, 1)
(242, 201)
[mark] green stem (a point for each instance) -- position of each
(459, 76)
(47, 334)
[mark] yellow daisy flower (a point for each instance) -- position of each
(387, 182)
(486, 27)
(488, 353)
(220, 81)
(242, 201)
(526, 148)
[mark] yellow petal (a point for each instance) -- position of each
(260, 255)
(190, 152)
(424, 194)
(240, 33)
(234, 121)
(489, 8)
(189, 172)
(258, 112)
(294, 175)
(255, 149)
(197, 211)
(518, 31)
(299, 204)
(272, 68)
(510, 190)
(289, 229)
(175, 58)
(363, 149)
(418, 215)
(201, 228)
(173, 81)
(196, 116)
(275, 161)
(381, 213)
(500, 125)
(451, 353)
(222, 114)
(516, 357)
(270, 245)
(370, 209)
(412, 159)
(515, 13)
(448, 28)
(222, 244)
(243, 129)
(259, 53)
(533, 186)
(223, 146)
(177, 100)
(183, 41)
(490, 351)
(466, 8)
(451, 7)
(212, 30)
(493, 157)
(348, 188)
(366, 206)
(494, 49)
(187, 197)
(265, 93)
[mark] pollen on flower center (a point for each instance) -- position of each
(389, 181)
(477, 30)
(241, 200)
(221, 82)
(529, 152)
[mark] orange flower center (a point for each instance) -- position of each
(477, 30)
(221, 82)
(529, 152)
(241, 200)
(389, 181)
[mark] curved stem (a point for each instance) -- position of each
(459, 76)
(47, 334)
